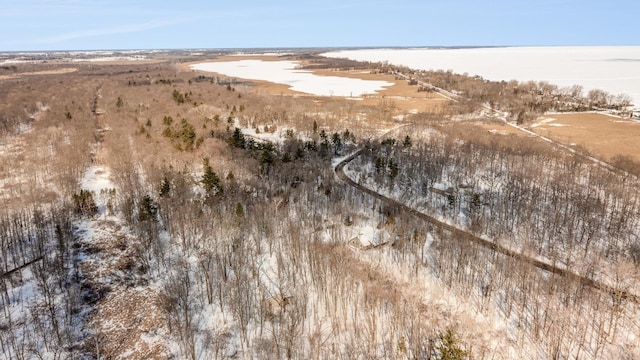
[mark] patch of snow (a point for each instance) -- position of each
(543, 121)
(367, 236)
(96, 179)
(262, 54)
(289, 73)
(18, 61)
(110, 58)
(269, 275)
(337, 160)
(498, 132)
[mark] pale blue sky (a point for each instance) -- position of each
(145, 24)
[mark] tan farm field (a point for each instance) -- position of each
(601, 135)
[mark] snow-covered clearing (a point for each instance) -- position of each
(73, 56)
(277, 136)
(615, 69)
(96, 179)
(288, 72)
(112, 271)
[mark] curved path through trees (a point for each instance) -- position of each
(468, 236)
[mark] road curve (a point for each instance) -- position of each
(466, 235)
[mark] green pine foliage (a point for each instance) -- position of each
(165, 188)
(337, 143)
(239, 210)
(407, 142)
(147, 209)
(184, 138)
(237, 139)
(179, 98)
(210, 181)
(84, 204)
(450, 347)
(393, 169)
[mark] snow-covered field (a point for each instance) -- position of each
(615, 69)
(7, 58)
(288, 72)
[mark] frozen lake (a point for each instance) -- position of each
(288, 72)
(615, 69)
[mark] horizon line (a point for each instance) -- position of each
(356, 47)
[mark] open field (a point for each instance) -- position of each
(35, 73)
(603, 136)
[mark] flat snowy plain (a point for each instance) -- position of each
(615, 69)
(288, 72)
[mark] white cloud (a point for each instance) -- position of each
(122, 29)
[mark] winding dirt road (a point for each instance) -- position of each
(468, 236)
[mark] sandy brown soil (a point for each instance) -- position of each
(602, 135)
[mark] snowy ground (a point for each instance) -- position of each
(109, 262)
(615, 69)
(287, 72)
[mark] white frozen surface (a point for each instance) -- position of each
(615, 69)
(288, 72)
(276, 53)
(276, 137)
(96, 178)
(110, 58)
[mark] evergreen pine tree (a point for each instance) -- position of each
(210, 181)
(393, 169)
(237, 139)
(84, 203)
(239, 210)
(147, 209)
(407, 142)
(337, 143)
(324, 143)
(449, 347)
(165, 188)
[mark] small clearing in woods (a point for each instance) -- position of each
(127, 317)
